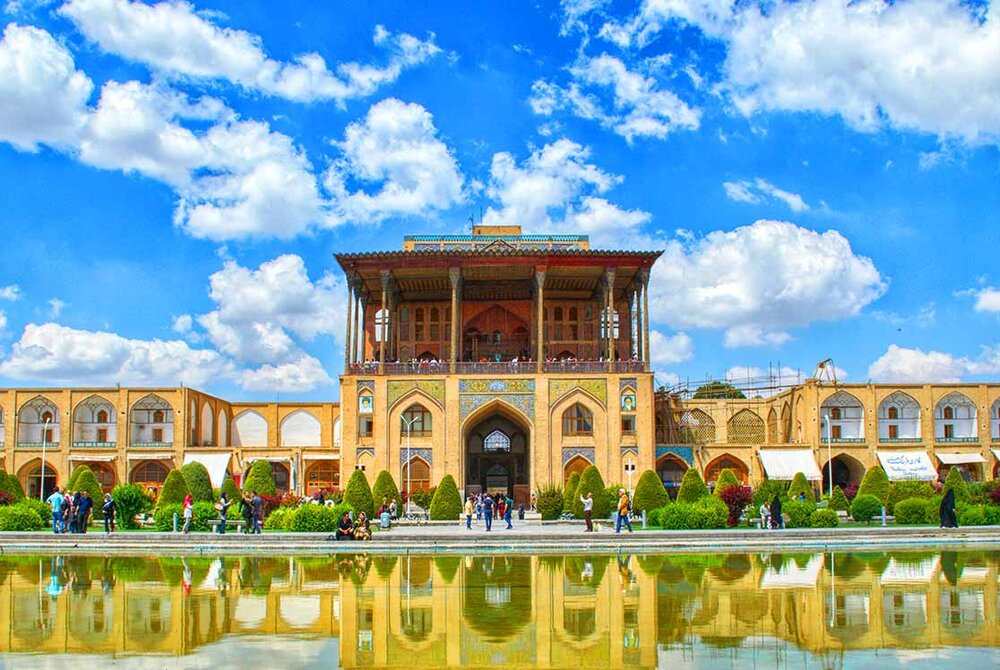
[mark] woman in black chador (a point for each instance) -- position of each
(948, 518)
(777, 521)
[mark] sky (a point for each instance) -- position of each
(822, 177)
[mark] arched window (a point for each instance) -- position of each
(955, 419)
(696, 427)
(892, 413)
(418, 325)
(322, 476)
(948, 412)
(745, 427)
(843, 418)
(497, 441)
(102, 416)
(578, 420)
(149, 472)
(899, 418)
(572, 314)
(418, 419)
(38, 422)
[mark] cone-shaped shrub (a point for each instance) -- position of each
(86, 480)
(569, 491)
(649, 493)
(875, 483)
(385, 489)
(199, 484)
(838, 500)
(71, 482)
(549, 502)
(446, 505)
(727, 478)
(260, 479)
(231, 490)
(955, 481)
(10, 485)
(592, 482)
(359, 495)
(800, 485)
(692, 487)
(174, 489)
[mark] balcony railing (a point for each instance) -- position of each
(94, 445)
(152, 445)
(900, 440)
(960, 440)
(38, 445)
(494, 368)
(846, 440)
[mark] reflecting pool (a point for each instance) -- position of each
(801, 610)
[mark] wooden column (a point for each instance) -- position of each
(644, 277)
(362, 308)
(348, 354)
(609, 280)
(386, 283)
(354, 323)
(635, 336)
(540, 316)
(455, 274)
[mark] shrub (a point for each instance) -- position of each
(992, 515)
(202, 515)
(768, 489)
(6, 499)
(423, 498)
(801, 486)
(676, 516)
(313, 519)
(230, 488)
(174, 489)
(163, 517)
(736, 499)
(824, 518)
(838, 501)
(591, 482)
(199, 484)
(798, 513)
(973, 515)
(709, 512)
(655, 517)
(911, 511)
(261, 479)
(130, 501)
(955, 481)
(865, 506)
(549, 502)
(899, 491)
(19, 518)
(875, 483)
(385, 489)
(10, 484)
(692, 487)
(649, 493)
(359, 496)
(726, 479)
(611, 496)
(278, 518)
(41, 508)
(447, 503)
(86, 480)
(569, 491)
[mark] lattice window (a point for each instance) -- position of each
(745, 427)
(772, 426)
(497, 441)
(696, 427)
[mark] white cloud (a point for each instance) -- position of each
(174, 39)
(638, 107)
(397, 147)
(56, 307)
(670, 349)
(606, 223)
(302, 374)
(987, 299)
(900, 365)
(43, 97)
(52, 353)
(759, 189)
(11, 292)
(182, 324)
(928, 65)
(758, 281)
(3, 321)
(574, 11)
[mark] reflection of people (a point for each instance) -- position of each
(947, 510)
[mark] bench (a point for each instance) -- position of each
(234, 524)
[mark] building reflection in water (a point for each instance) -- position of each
(514, 611)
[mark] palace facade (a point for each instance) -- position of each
(508, 361)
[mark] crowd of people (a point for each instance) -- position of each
(426, 364)
(486, 507)
(71, 511)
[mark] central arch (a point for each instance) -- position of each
(496, 445)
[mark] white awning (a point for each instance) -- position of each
(910, 572)
(216, 464)
(151, 456)
(94, 458)
(958, 459)
(907, 465)
(791, 576)
(784, 463)
(249, 458)
(320, 457)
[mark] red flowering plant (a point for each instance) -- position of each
(6, 499)
(850, 491)
(736, 499)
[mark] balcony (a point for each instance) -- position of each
(94, 445)
(49, 446)
(494, 368)
(900, 440)
(957, 440)
(152, 445)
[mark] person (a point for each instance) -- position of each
(345, 529)
(501, 504)
(108, 509)
(362, 530)
(383, 508)
(777, 520)
(69, 513)
(588, 510)
(469, 508)
(188, 509)
(479, 507)
(393, 509)
(624, 508)
(765, 515)
(246, 511)
(83, 512)
(508, 510)
(257, 516)
(223, 507)
(57, 502)
(947, 510)
(488, 512)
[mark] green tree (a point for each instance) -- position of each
(86, 480)
(199, 484)
(174, 489)
(130, 500)
(727, 478)
(649, 493)
(592, 482)
(385, 489)
(446, 505)
(359, 495)
(955, 481)
(875, 483)
(692, 488)
(260, 479)
(9, 484)
(230, 488)
(865, 507)
(549, 502)
(838, 501)
(569, 491)
(718, 390)
(801, 485)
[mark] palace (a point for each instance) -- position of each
(508, 361)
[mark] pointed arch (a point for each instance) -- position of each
(38, 478)
(416, 475)
(38, 422)
(671, 469)
(577, 420)
(578, 463)
(772, 426)
(300, 429)
(250, 429)
(847, 471)
(745, 427)
(94, 421)
(786, 423)
(494, 406)
(207, 424)
(842, 416)
(898, 418)
(696, 427)
(322, 475)
(727, 460)
(955, 419)
(151, 421)
(223, 427)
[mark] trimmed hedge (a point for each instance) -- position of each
(278, 518)
(86, 480)
(649, 493)
(446, 505)
(899, 491)
(569, 491)
(313, 519)
(592, 482)
(9, 484)
(260, 479)
(18, 517)
(385, 488)
(130, 500)
(549, 502)
(727, 478)
(42, 509)
(768, 489)
(174, 489)
(202, 514)
(973, 515)
(800, 485)
(693, 487)
(912, 511)
(230, 488)
(359, 495)
(708, 512)
(198, 482)
(875, 483)
(824, 518)
(865, 507)
(838, 500)
(954, 480)
(798, 513)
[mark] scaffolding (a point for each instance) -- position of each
(754, 383)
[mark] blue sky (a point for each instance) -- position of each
(823, 177)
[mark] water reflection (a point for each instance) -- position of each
(555, 611)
